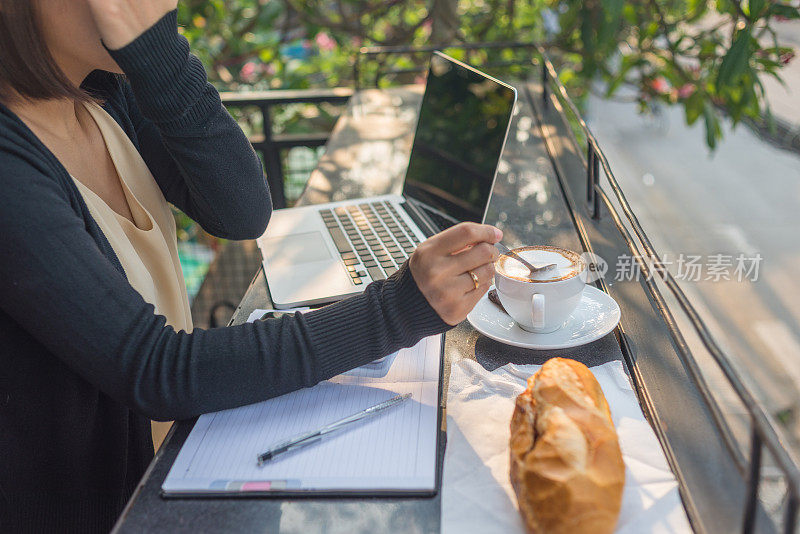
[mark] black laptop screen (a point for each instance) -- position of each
(459, 138)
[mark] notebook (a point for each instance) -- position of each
(393, 453)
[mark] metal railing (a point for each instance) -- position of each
(269, 144)
(764, 432)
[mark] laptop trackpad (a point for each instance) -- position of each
(297, 248)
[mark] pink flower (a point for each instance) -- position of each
(248, 72)
(787, 57)
(686, 90)
(325, 42)
(427, 26)
(660, 85)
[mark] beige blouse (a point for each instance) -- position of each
(148, 247)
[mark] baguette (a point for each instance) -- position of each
(566, 464)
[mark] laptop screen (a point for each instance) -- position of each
(460, 134)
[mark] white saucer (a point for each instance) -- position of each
(597, 314)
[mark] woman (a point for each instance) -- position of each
(95, 332)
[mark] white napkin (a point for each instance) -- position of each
(259, 313)
(476, 492)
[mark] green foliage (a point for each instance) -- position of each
(705, 55)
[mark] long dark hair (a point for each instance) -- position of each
(27, 69)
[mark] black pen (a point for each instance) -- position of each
(314, 436)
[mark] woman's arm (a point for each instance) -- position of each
(58, 286)
(201, 159)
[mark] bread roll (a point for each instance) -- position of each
(566, 465)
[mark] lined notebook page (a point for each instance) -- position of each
(392, 451)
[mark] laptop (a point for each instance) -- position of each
(325, 252)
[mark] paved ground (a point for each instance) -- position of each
(743, 199)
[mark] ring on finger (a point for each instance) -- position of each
(474, 279)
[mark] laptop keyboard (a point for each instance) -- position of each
(371, 238)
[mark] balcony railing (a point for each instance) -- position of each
(603, 194)
(270, 145)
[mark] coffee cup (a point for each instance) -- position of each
(540, 302)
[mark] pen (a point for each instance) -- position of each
(315, 435)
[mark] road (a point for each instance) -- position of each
(742, 199)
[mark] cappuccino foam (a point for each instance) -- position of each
(568, 264)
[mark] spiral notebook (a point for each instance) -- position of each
(396, 452)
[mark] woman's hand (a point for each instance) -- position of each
(121, 21)
(441, 267)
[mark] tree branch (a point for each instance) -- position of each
(673, 51)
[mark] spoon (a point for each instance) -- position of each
(494, 299)
(533, 270)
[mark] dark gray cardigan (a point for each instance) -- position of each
(85, 361)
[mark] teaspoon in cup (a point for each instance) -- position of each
(533, 270)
